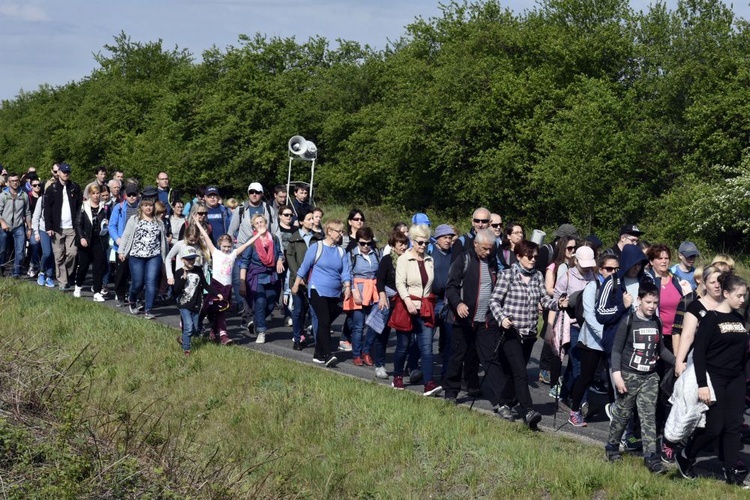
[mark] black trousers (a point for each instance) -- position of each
(590, 359)
(464, 360)
(514, 356)
(489, 351)
(327, 310)
(122, 276)
(93, 255)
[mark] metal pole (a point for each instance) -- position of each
(312, 177)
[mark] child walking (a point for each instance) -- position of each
(189, 285)
(638, 344)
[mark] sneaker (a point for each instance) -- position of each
(297, 346)
(532, 419)
(685, 465)
(187, 354)
(735, 477)
(224, 339)
(149, 316)
(544, 376)
(612, 454)
(261, 339)
(319, 359)
(31, 272)
(506, 413)
(655, 465)
(667, 454)
(380, 372)
(608, 411)
(65, 288)
(345, 345)
(740, 467)
(104, 292)
(598, 388)
(358, 361)
(398, 382)
(289, 322)
(49, 283)
(415, 376)
(554, 392)
(133, 308)
(585, 409)
(77, 292)
(432, 389)
(250, 328)
(631, 444)
(98, 297)
(576, 419)
(212, 336)
(331, 361)
(40, 279)
(367, 359)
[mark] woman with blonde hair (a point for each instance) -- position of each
(415, 272)
(92, 239)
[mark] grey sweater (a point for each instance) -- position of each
(15, 212)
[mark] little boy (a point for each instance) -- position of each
(638, 344)
(685, 270)
(188, 289)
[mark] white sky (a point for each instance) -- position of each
(52, 41)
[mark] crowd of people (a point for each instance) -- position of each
(668, 345)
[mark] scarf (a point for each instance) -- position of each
(264, 247)
(525, 272)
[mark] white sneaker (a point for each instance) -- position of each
(77, 292)
(261, 338)
(380, 372)
(289, 322)
(98, 297)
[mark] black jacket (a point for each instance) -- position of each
(295, 252)
(53, 202)
(463, 286)
(86, 228)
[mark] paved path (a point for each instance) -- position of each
(279, 343)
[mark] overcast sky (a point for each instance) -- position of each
(52, 41)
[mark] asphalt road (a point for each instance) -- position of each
(279, 343)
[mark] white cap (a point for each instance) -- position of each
(255, 186)
(188, 252)
(585, 256)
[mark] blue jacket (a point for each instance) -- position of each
(610, 307)
(117, 222)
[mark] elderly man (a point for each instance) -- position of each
(480, 219)
(471, 279)
(441, 256)
(115, 188)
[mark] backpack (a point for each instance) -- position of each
(575, 304)
(241, 213)
(318, 254)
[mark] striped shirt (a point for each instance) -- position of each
(519, 301)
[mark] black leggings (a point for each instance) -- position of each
(590, 359)
(327, 310)
(514, 356)
(93, 255)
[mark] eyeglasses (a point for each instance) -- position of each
(610, 269)
(253, 191)
(340, 231)
(481, 221)
(358, 219)
(421, 243)
(632, 239)
(365, 243)
(495, 226)
(287, 215)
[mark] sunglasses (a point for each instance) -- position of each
(531, 257)
(496, 225)
(481, 221)
(201, 213)
(35, 185)
(421, 243)
(570, 248)
(287, 215)
(131, 194)
(358, 219)
(253, 191)
(364, 243)
(610, 269)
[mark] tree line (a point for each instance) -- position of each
(580, 111)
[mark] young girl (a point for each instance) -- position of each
(219, 296)
(188, 289)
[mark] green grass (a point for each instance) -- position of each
(277, 428)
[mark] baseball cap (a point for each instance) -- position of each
(255, 186)
(630, 229)
(585, 257)
(131, 189)
(568, 230)
(420, 218)
(212, 190)
(688, 249)
(444, 230)
(188, 252)
(150, 192)
(64, 167)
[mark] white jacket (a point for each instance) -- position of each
(687, 413)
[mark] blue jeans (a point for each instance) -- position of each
(47, 264)
(423, 335)
(19, 244)
(265, 301)
(190, 322)
(299, 313)
(145, 273)
(573, 370)
(358, 317)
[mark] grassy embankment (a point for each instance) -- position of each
(96, 403)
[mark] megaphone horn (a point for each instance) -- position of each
(297, 145)
(311, 151)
